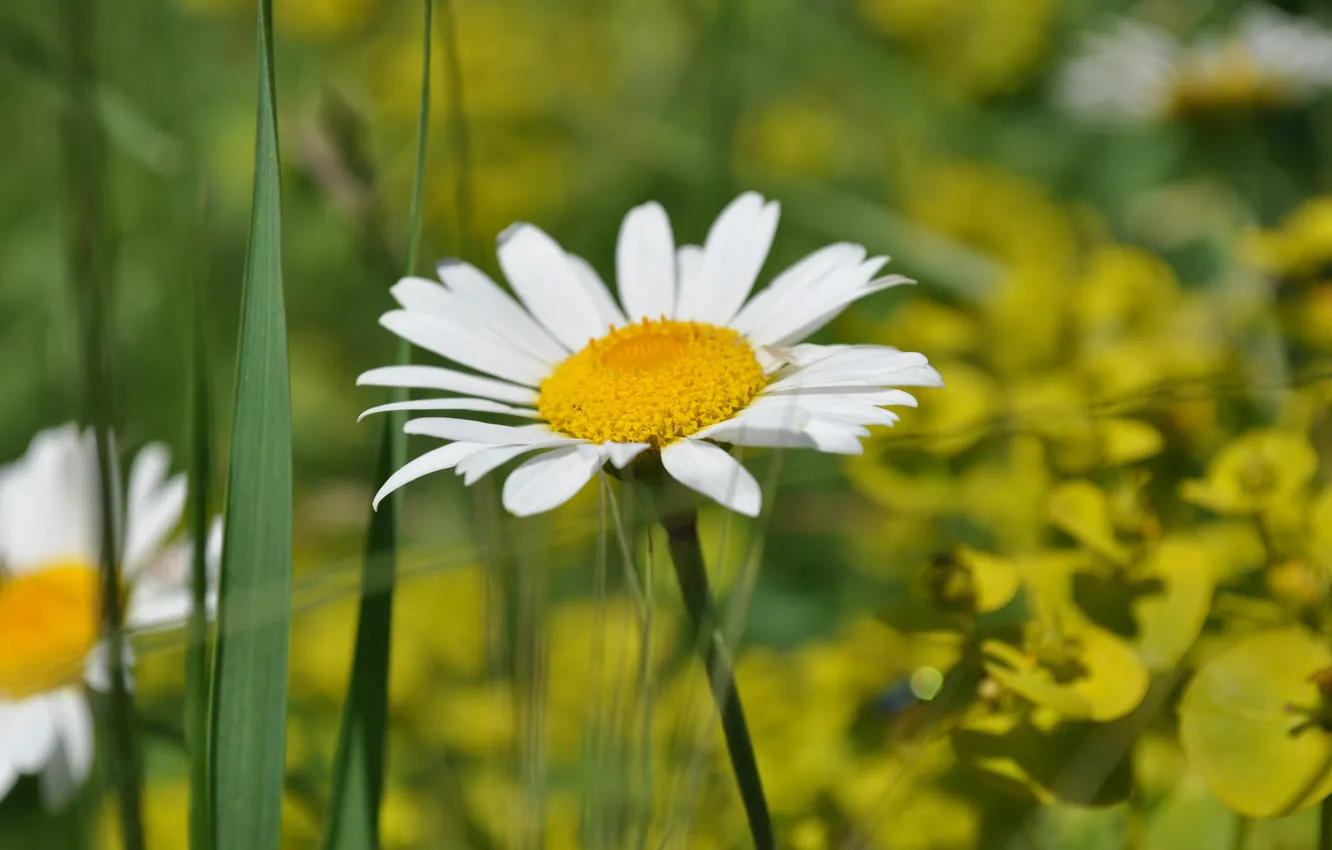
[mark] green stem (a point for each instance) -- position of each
(459, 139)
(1325, 824)
(90, 272)
(1243, 829)
(197, 675)
(682, 533)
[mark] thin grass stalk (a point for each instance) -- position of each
(682, 536)
(460, 144)
(197, 679)
(248, 707)
(358, 774)
(1325, 824)
(592, 816)
(530, 672)
(90, 273)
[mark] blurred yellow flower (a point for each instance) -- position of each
(975, 49)
(1255, 473)
(1301, 245)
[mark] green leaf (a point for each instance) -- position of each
(197, 679)
(249, 695)
(358, 770)
(1248, 725)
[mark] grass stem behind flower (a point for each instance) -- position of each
(358, 775)
(90, 274)
(682, 532)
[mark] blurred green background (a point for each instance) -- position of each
(989, 631)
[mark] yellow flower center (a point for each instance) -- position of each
(48, 625)
(653, 382)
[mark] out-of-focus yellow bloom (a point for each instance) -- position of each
(974, 49)
(1255, 473)
(424, 643)
(924, 325)
(882, 797)
(476, 720)
(994, 211)
(796, 135)
(953, 421)
(1302, 245)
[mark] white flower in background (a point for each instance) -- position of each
(686, 360)
(50, 627)
(1138, 72)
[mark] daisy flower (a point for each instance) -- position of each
(1139, 72)
(686, 360)
(50, 585)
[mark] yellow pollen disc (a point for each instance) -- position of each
(653, 382)
(48, 625)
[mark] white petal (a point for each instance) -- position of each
(815, 324)
(713, 472)
(551, 479)
(450, 380)
(494, 327)
(155, 507)
(27, 733)
(763, 436)
(876, 369)
(445, 457)
(548, 284)
(482, 432)
(49, 507)
(8, 777)
(484, 462)
(780, 412)
(830, 406)
(805, 275)
(815, 297)
(733, 254)
(600, 295)
(836, 437)
(875, 396)
(451, 339)
(481, 405)
(474, 285)
(71, 761)
(621, 454)
(688, 265)
(645, 263)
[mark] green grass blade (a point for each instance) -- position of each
(90, 266)
(196, 651)
(249, 695)
(358, 770)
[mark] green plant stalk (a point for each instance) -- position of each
(459, 139)
(90, 271)
(197, 679)
(682, 534)
(1325, 824)
(248, 698)
(358, 771)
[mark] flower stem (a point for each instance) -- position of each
(1325, 824)
(682, 532)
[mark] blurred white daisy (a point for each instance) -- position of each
(684, 361)
(1139, 72)
(50, 626)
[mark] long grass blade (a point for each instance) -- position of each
(197, 679)
(249, 694)
(358, 771)
(90, 273)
